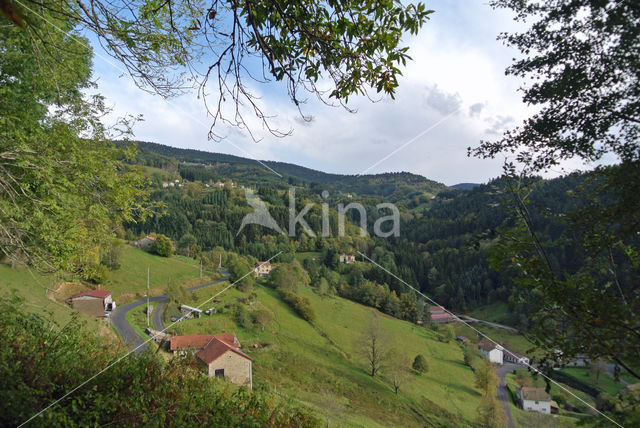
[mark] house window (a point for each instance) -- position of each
(219, 373)
(537, 403)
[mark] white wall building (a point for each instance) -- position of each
(491, 351)
(535, 400)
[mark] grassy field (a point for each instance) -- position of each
(130, 281)
(36, 288)
(322, 366)
(524, 419)
(511, 341)
(497, 312)
(568, 392)
(307, 255)
(605, 382)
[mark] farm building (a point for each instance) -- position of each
(94, 302)
(224, 360)
(219, 353)
(195, 342)
(534, 400)
(440, 316)
(190, 312)
(491, 351)
(513, 357)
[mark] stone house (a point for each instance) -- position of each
(145, 243)
(221, 359)
(513, 357)
(218, 354)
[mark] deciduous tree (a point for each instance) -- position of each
(374, 344)
(64, 189)
(582, 59)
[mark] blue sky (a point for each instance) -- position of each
(452, 95)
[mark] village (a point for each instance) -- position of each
(220, 354)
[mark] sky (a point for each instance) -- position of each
(452, 95)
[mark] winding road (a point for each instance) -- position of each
(129, 334)
(503, 394)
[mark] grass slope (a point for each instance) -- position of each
(130, 281)
(321, 366)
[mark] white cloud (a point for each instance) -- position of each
(457, 66)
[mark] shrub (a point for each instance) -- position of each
(301, 305)
(420, 364)
(262, 317)
(175, 391)
(163, 246)
(241, 316)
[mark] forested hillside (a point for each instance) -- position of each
(443, 247)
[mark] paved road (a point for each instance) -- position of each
(129, 335)
(503, 393)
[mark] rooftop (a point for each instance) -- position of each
(215, 348)
(198, 341)
(99, 294)
(535, 394)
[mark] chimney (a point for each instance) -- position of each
(174, 333)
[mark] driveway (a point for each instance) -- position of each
(127, 332)
(503, 394)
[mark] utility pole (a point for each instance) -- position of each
(200, 268)
(147, 296)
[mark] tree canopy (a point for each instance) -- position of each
(582, 59)
(331, 49)
(63, 186)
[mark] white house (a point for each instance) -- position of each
(347, 258)
(491, 351)
(535, 400)
(262, 268)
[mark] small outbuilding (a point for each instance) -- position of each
(190, 312)
(93, 302)
(224, 360)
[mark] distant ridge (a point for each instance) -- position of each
(394, 186)
(465, 186)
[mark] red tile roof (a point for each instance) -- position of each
(440, 316)
(199, 341)
(215, 349)
(99, 294)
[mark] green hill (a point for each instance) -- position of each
(203, 166)
(318, 365)
(322, 366)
